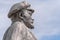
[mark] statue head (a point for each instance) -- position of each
(22, 12)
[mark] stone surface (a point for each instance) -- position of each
(18, 31)
(21, 24)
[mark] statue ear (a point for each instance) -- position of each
(20, 15)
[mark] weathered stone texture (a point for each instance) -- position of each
(20, 15)
(18, 31)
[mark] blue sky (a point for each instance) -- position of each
(46, 18)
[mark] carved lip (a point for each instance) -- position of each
(31, 21)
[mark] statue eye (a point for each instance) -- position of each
(30, 12)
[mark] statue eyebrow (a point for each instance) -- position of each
(29, 9)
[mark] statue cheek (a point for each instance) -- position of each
(27, 16)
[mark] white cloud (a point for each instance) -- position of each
(46, 18)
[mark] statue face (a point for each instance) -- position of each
(28, 19)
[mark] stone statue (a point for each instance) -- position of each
(20, 15)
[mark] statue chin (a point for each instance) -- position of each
(29, 25)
